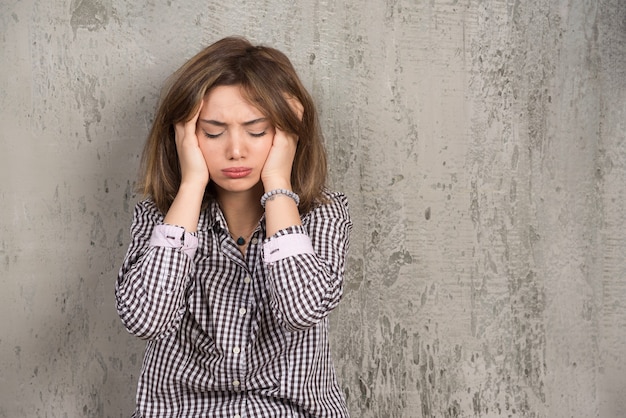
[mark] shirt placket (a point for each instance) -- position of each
(244, 314)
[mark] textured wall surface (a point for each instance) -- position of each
(482, 145)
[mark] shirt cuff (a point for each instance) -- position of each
(172, 236)
(287, 246)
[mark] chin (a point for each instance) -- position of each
(239, 185)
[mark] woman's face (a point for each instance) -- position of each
(235, 139)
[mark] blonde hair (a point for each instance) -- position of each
(268, 79)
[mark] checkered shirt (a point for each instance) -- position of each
(234, 336)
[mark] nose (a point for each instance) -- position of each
(235, 147)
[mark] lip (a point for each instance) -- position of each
(236, 172)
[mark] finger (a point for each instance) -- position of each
(284, 137)
(295, 105)
(195, 117)
(179, 133)
(187, 129)
(190, 126)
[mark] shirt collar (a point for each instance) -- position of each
(213, 217)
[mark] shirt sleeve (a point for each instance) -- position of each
(155, 275)
(306, 265)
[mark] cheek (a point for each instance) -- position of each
(265, 151)
(263, 148)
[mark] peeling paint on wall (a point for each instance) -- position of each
(89, 14)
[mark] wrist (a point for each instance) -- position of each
(277, 193)
(188, 186)
(185, 209)
(273, 184)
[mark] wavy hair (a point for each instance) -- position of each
(267, 78)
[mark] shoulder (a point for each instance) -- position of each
(336, 198)
(333, 205)
(147, 209)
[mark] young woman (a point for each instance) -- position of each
(237, 254)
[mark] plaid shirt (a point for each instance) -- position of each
(229, 336)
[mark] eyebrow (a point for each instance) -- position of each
(218, 123)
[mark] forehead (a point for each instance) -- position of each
(228, 101)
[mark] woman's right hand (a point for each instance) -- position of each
(185, 209)
(194, 170)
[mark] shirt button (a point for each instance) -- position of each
(242, 311)
(254, 240)
(236, 350)
(237, 416)
(247, 280)
(236, 383)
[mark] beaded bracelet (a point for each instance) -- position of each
(274, 192)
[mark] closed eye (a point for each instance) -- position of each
(212, 136)
(258, 135)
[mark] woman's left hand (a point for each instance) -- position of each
(276, 172)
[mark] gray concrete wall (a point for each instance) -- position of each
(482, 145)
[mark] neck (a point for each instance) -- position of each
(242, 210)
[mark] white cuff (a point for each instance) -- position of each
(172, 236)
(286, 246)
